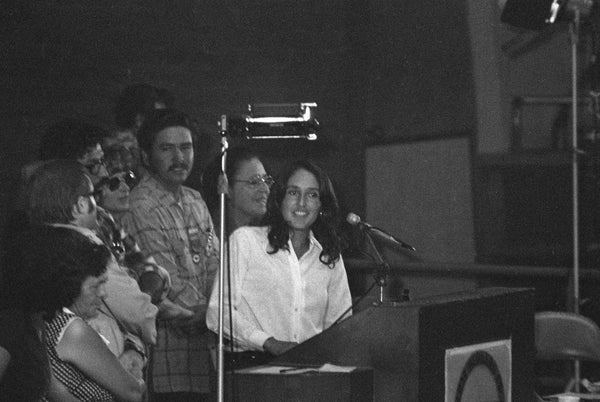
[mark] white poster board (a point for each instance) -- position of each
(480, 372)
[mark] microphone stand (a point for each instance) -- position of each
(383, 268)
(380, 275)
(222, 189)
(574, 298)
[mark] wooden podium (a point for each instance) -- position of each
(406, 343)
(252, 386)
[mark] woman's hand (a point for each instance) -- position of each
(192, 325)
(133, 362)
(167, 310)
(276, 347)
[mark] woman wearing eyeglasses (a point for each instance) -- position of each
(247, 192)
(288, 281)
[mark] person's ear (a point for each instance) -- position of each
(80, 206)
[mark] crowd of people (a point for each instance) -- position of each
(109, 277)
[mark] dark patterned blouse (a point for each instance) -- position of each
(74, 379)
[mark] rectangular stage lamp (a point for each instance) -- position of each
(281, 121)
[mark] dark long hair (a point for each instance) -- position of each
(324, 228)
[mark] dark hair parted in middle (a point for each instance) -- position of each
(324, 228)
(158, 120)
(45, 267)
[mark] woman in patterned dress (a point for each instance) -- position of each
(67, 273)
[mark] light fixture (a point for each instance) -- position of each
(272, 121)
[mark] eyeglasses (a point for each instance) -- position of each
(114, 182)
(95, 166)
(256, 180)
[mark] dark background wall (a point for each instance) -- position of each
(380, 71)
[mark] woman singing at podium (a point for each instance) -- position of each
(288, 280)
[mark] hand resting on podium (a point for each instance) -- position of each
(276, 347)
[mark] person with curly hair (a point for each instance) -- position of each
(61, 273)
(288, 280)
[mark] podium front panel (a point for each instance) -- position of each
(405, 343)
(248, 386)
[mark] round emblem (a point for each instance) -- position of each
(492, 389)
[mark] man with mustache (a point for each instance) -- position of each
(172, 224)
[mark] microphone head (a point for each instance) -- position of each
(353, 219)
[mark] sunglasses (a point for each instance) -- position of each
(114, 182)
(256, 180)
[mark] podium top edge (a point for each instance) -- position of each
(479, 293)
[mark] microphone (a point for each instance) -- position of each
(355, 220)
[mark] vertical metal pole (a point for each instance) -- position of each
(574, 33)
(222, 266)
(575, 160)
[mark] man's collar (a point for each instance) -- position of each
(177, 197)
(84, 231)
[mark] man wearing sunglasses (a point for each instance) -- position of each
(171, 223)
(60, 193)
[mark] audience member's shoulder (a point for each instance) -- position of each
(78, 331)
(190, 192)
(142, 195)
(251, 232)
(194, 196)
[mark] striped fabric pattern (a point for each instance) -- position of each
(179, 234)
(76, 381)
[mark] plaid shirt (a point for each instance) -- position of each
(180, 236)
